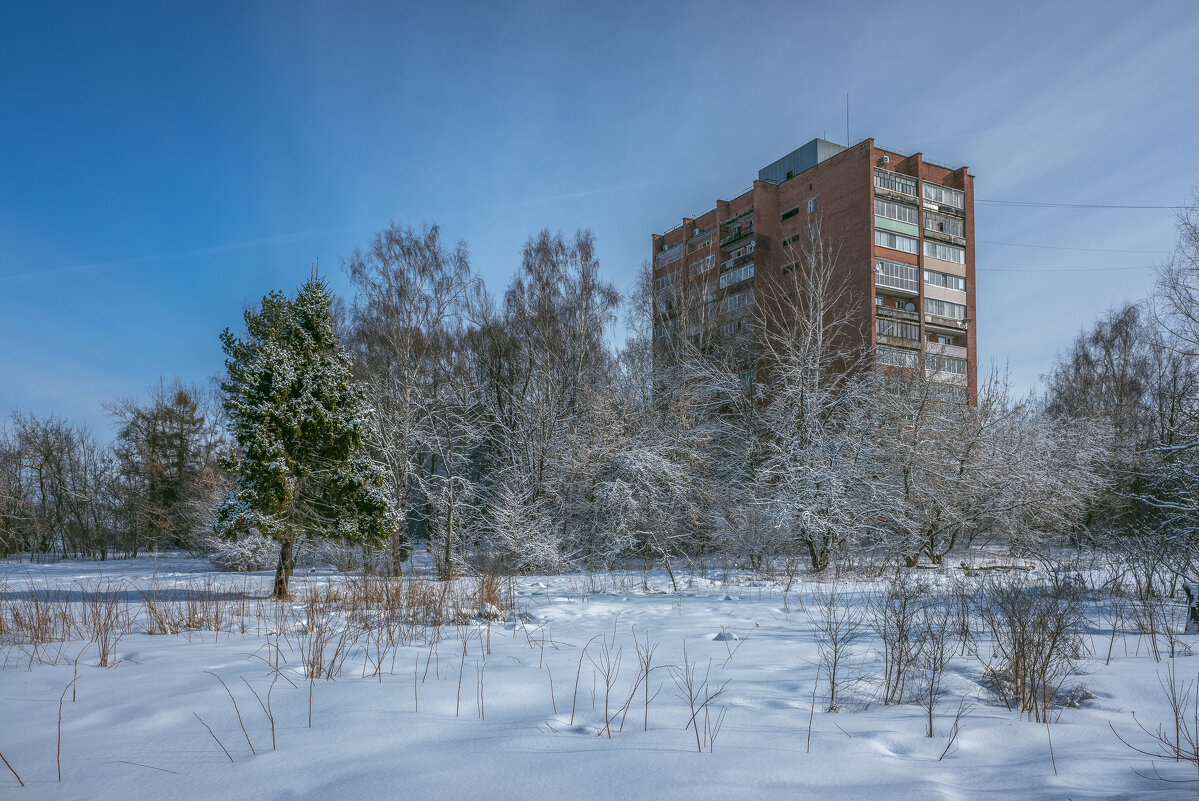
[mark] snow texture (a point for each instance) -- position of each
(425, 730)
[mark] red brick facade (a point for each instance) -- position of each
(844, 189)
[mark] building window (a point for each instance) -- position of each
(937, 250)
(943, 308)
(936, 278)
(896, 211)
(701, 240)
(889, 239)
(947, 393)
(894, 182)
(896, 275)
(789, 213)
(669, 256)
(739, 301)
(668, 280)
(704, 264)
(944, 196)
(737, 276)
(898, 330)
(744, 250)
(947, 364)
(896, 357)
(950, 226)
(811, 205)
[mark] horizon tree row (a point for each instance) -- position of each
(512, 431)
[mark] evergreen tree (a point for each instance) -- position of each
(299, 422)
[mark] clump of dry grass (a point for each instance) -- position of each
(369, 615)
(105, 617)
(38, 621)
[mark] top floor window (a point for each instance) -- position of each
(944, 196)
(669, 256)
(701, 241)
(895, 182)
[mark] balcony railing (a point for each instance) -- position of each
(956, 351)
(736, 262)
(944, 322)
(738, 233)
(898, 314)
(942, 225)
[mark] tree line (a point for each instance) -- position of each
(514, 431)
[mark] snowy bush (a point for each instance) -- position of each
(338, 555)
(248, 552)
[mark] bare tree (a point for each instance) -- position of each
(997, 468)
(411, 296)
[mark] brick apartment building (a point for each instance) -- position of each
(904, 234)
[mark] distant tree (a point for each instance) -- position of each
(300, 466)
(166, 451)
(999, 468)
(541, 365)
(55, 489)
(404, 335)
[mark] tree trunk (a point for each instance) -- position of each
(398, 552)
(449, 536)
(287, 563)
(819, 558)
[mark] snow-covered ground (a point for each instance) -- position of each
(484, 709)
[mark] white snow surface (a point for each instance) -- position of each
(131, 731)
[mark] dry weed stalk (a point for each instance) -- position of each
(698, 694)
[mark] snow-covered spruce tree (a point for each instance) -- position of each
(299, 423)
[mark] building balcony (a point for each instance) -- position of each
(952, 239)
(736, 236)
(945, 322)
(957, 351)
(732, 264)
(897, 184)
(898, 314)
(896, 285)
(946, 377)
(897, 275)
(898, 342)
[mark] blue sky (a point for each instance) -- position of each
(162, 165)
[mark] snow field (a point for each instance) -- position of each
(440, 721)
